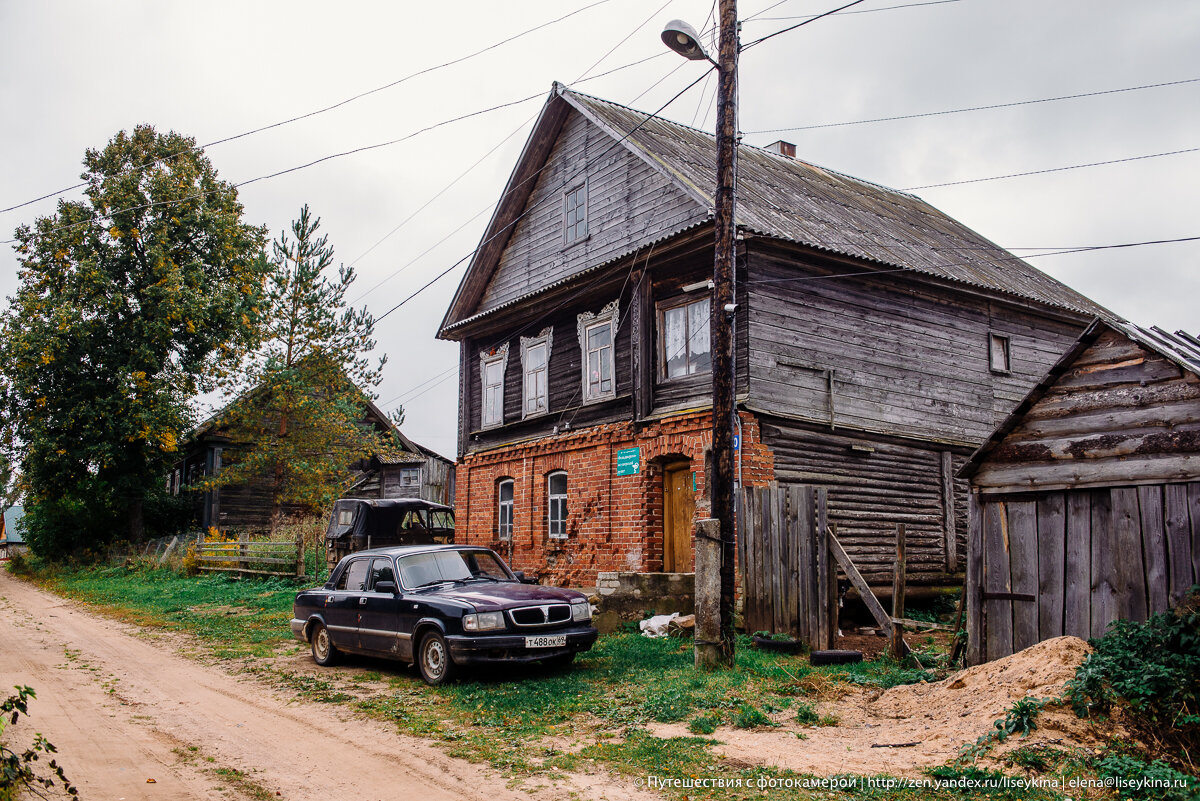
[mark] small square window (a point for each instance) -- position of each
(575, 222)
(999, 356)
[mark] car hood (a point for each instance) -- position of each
(502, 596)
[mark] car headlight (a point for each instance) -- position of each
(581, 611)
(483, 621)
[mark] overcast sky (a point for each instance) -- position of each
(72, 74)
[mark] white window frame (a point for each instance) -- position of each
(999, 353)
(683, 302)
(504, 528)
(541, 399)
(571, 232)
(589, 321)
(556, 501)
(486, 359)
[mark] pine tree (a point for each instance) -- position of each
(299, 421)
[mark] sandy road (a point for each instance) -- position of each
(122, 710)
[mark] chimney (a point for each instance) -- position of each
(782, 148)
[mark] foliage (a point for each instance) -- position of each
(1150, 670)
(299, 417)
(1146, 781)
(18, 771)
(130, 301)
(1021, 718)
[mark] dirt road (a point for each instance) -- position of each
(123, 710)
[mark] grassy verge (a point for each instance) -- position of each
(598, 716)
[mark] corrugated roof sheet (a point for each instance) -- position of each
(788, 199)
(1180, 347)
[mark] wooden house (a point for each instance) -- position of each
(1085, 502)
(407, 470)
(877, 342)
(12, 541)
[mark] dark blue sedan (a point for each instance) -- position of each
(443, 607)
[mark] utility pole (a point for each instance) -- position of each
(721, 323)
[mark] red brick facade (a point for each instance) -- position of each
(614, 523)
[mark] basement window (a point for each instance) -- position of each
(575, 222)
(999, 355)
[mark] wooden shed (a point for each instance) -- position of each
(1085, 502)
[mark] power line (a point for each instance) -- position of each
(973, 108)
(336, 105)
(800, 24)
(1052, 169)
(760, 18)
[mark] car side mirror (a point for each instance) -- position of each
(387, 587)
(520, 574)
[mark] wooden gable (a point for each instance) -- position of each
(1116, 411)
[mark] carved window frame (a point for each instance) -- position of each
(544, 339)
(586, 322)
(487, 358)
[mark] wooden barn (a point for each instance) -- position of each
(1085, 502)
(877, 343)
(407, 470)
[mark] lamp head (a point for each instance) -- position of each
(683, 39)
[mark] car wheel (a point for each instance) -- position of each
(323, 651)
(560, 662)
(433, 659)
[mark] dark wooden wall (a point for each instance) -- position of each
(1071, 562)
(1118, 414)
(628, 203)
(908, 357)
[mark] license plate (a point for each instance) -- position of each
(556, 641)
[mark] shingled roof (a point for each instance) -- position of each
(781, 198)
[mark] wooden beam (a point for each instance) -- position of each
(864, 590)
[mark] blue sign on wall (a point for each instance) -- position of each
(629, 461)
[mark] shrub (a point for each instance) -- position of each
(1151, 671)
(1147, 781)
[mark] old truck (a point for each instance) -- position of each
(357, 524)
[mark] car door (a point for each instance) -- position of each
(342, 602)
(378, 612)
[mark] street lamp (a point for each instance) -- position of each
(683, 39)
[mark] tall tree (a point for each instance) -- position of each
(129, 300)
(299, 420)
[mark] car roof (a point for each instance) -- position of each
(393, 503)
(404, 550)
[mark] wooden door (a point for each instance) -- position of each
(679, 506)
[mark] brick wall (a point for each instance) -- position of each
(614, 523)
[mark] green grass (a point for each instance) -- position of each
(529, 721)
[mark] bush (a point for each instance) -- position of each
(1147, 781)
(1151, 671)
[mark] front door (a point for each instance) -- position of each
(679, 505)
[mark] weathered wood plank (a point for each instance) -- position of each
(997, 578)
(899, 584)
(1071, 474)
(1154, 547)
(1130, 571)
(1104, 563)
(864, 590)
(1194, 513)
(1077, 595)
(1052, 555)
(976, 634)
(801, 557)
(948, 521)
(1180, 541)
(826, 568)
(1023, 563)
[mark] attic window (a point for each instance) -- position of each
(575, 223)
(999, 356)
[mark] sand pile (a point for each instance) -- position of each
(911, 727)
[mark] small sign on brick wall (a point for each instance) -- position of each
(629, 461)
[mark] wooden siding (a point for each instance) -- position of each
(907, 358)
(629, 204)
(1118, 414)
(1080, 559)
(873, 485)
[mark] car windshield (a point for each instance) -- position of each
(421, 569)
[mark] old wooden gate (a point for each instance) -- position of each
(1055, 563)
(789, 579)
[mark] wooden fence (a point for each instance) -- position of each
(246, 557)
(789, 578)
(1055, 563)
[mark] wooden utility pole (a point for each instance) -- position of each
(721, 325)
(897, 647)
